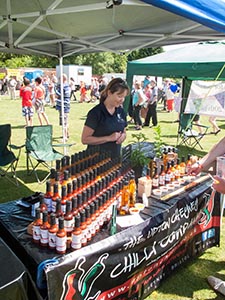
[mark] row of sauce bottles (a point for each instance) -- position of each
(173, 171)
(71, 202)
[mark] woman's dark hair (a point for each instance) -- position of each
(38, 80)
(115, 85)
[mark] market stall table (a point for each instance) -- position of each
(131, 263)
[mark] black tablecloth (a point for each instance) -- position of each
(15, 280)
(192, 214)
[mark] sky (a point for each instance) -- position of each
(171, 47)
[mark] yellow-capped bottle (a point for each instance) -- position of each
(125, 199)
(133, 190)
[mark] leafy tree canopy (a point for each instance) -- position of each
(104, 62)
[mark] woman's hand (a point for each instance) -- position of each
(117, 137)
(195, 169)
(121, 138)
(219, 184)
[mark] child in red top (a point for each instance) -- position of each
(83, 93)
(39, 93)
(26, 95)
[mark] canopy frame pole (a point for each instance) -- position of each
(62, 94)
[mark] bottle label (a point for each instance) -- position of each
(182, 171)
(63, 207)
(96, 224)
(155, 182)
(61, 243)
(36, 233)
(93, 228)
(48, 202)
(76, 241)
(44, 236)
(85, 232)
(177, 174)
(69, 225)
(89, 233)
(84, 239)
(52, 239)
(118, 201)
(167, 178)
(162, 180)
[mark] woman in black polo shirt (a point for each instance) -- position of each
(106, 123)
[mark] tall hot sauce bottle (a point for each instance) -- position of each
(36, 226)
(83, 226)
(61, 238)
(52, 178)
(188, 164)
(168, 174)
(155, 179)
(48, 196)
(44, 230)
(177, 170)
(43, 206)
(162, 176)
(55, 196)
(173, 170)
(182, 167)
(58, 213)
(68, 218)
(88, 222)
(133, 191)
(64, 198)
(93, 219)
(123, 210)
(76, 234)
(52, 232)
(75, 210)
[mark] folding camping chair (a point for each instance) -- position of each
(39, 150)
(188, 133)
(8, 160)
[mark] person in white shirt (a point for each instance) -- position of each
(12, 88)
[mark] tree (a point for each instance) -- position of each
(104, 62)
(138, 54)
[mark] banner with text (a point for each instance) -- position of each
(206, 98)
(132, 263)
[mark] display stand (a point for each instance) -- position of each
(131, 263)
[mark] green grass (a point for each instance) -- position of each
(189, 282)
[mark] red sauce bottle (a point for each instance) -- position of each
(52, 232)
(36, 226)
(44, 230)
(61, 238)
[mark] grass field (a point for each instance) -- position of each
(189, 282)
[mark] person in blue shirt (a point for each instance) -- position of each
(106, 123)
(66, 105)
(138, 100)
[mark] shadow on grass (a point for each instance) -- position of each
(196, 279)
(168, 122)
(222, 126)
(18, 127)
(10, 191)
(186, 150)
(31, 178)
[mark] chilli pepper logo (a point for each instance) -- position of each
(78, 282)
(206, 214)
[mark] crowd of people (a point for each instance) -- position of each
(46, 90)
(106, 122)
(144, 98)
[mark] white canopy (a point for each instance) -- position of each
(66, 27)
